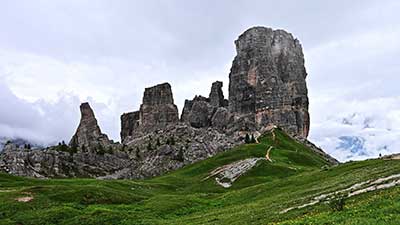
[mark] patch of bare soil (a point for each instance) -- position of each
(26, 198)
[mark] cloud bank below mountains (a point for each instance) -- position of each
(355, 130)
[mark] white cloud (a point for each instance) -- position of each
(114, 85)
(374, 120)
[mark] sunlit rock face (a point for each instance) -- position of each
(267, 80)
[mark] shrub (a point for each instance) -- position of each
(180, 156)
(137, 153)
(149, 147)
(62, 147)
(158, 142)
(247, 139)
(100, 150)
(325, 168)
(338, 202)
(110, 150)
(172, 141)
(253, 140)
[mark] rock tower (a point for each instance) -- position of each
(88, 133)
(156, 112)
(267, 81)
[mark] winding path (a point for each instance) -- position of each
(267, 155)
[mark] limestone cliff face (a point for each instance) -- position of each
(267, 81)
(88, 133)
(156, 112)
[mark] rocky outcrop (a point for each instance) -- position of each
(158, 108)
(146, 156)
(129, 123)
(200, 111)
(226, 175)
(51, 162)
(267, 89)
(156, 112)
(267, 81)
(88, 135)
(177, 146)
(221, 119)
(216, 96)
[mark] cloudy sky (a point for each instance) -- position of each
(56, 54)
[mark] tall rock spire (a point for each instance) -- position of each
(216, 96)
(158, 108)
(156, 111)
(267, 80)
(88, 133)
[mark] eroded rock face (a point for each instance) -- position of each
(157, 111)
(158, 108)
(221, 119)
(88, 133)
(267, 79)
(129, 122)
(199, 112)
(52, 163)
(216, 96)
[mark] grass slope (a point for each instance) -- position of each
(182, 197)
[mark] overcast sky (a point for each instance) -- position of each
(55, 54)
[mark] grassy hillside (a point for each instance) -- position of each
(293, 178)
